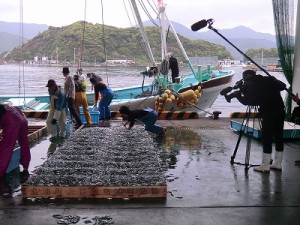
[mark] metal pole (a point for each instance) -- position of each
(74, 55)
(56, 54)
(143, 33)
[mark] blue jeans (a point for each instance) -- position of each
(106, 98)
(149, 120)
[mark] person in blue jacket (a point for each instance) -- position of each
(57, 113)
(147, 116)
(106, 97)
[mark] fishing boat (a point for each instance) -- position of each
(195, 91)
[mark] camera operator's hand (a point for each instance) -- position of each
(295, 98)
(234, 94)
(237, 94)
(238, 84)
(225, 91)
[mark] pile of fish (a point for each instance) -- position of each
(105, 157)
(97, 220)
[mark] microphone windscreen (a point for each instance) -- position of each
(199, 25)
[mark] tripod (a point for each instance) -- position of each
(249, 134)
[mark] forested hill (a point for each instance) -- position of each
(117, 43)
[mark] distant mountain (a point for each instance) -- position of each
(10, 34)
(237, 32)
(30, 30)
(61, 43)
(242, 37)
(9, 41)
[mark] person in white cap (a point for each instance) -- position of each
(69, 90)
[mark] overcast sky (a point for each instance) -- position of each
(255, 14)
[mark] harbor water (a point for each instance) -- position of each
(31, 80)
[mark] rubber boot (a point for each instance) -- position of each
(4, 187)
(265, 165)
(277, 162)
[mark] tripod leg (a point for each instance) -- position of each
(242, 130)
(236, 146)
(248, 148)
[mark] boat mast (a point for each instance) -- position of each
(161, 16)
(163, 32)
(143, 33)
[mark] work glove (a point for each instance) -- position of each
(95, 108)
(54, 121)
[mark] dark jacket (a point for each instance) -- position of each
(174, 66)
(264, 92)
(136, 114)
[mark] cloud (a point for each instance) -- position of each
(256, 14)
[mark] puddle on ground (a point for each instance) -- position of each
(176, 141)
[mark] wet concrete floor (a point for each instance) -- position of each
(203, 186)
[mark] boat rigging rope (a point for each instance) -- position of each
(127, 13)
(82, 37)
(191, 104)
(104, 43)
(146, 98)
(21, 63)
(142, 43)
(147, 12)
(153, 7)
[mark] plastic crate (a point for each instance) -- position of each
(14, 162)
(94, 115)
(91, 109)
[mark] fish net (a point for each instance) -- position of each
(283, 11)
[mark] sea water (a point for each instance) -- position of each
(31, 80)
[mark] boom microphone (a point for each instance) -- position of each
(199, 25)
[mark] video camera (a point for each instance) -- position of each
(238, 85)
(150, 71)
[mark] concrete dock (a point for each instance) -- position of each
(203, 186)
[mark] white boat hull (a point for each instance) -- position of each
(210, 92)
(139, 103)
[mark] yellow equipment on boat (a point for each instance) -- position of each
(181, 100)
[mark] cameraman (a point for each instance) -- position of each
(264, 91)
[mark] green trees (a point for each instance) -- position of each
(108, 42)
(261, 52)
